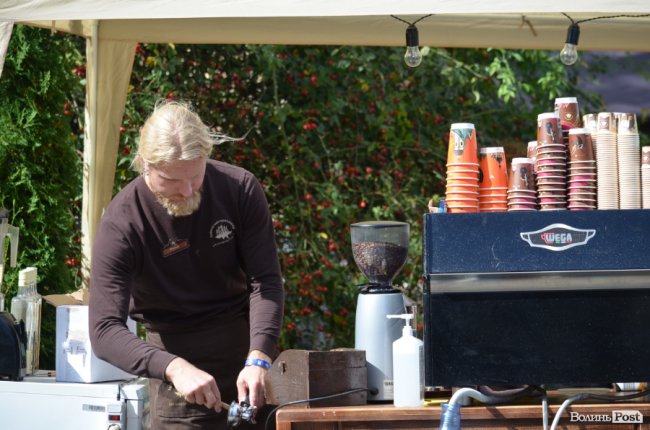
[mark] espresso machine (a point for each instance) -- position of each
(379, 249)
(554, 298)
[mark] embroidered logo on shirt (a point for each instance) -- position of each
(221, 232)
(175, 246)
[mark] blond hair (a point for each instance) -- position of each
(174, 132)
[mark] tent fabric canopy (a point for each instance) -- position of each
(531, 24)
(113, 28)
(543, 31)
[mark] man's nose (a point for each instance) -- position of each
(186, 189)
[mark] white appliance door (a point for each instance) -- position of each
(41, 403)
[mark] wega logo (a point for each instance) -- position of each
(557, 237)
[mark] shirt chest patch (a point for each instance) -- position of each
(222, 231)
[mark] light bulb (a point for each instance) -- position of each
(569, 54)
(412, 57)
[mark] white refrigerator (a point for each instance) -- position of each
(41, 403)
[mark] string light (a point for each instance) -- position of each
(569, 53)
(412, 56)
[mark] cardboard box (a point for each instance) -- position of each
(300, 374)
(75, 359)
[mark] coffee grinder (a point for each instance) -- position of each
(379, 249)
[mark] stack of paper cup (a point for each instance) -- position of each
(645, 176)
(582, 171)
(493, 180)
(462, 169)
(590, 122)
(567, 108)
(569, 112)
(607, 161)
(522, 194)
(531, 152)
(629, 160)
(550, 163)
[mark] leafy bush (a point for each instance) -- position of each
(335, 135)
(341, 135)
(40, 171)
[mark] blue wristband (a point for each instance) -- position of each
(257, 362)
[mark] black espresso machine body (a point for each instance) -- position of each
(557, 297)
(12, 347)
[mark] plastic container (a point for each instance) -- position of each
(408, 367)
(19, 301)
(26, 306)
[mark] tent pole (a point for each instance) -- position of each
(90, 144)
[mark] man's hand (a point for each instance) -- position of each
(250, 382)
(195, 385)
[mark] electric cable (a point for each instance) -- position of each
(414, 22)
(489, 396)
(586, 396)
(545, 411)
(330, 396)
(604, 17)
(489, 391)
(485, 389)
(450, 415)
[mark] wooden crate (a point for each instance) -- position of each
(298, 375)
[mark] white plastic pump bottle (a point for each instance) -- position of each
(408, 367)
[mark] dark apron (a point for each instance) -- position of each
(219, 349)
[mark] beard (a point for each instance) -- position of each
(181, 207)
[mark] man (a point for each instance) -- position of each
(188, 249)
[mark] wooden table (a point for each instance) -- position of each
(472, 417)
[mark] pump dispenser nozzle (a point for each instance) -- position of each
(407, 330)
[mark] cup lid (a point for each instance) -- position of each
(514, 191)
(491, 149)
(548, 115)
(520, 160)
(566, 100)
(461, 125)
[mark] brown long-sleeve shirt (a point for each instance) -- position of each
(176, 273)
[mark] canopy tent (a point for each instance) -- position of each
(524, 24)
(113, 28)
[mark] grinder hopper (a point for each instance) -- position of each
(380, 249)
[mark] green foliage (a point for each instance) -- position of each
(341, 135)
(40, 172)
(335, 135)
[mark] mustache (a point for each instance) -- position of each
(183, 207)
